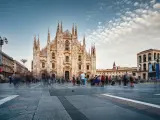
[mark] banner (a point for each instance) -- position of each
(150, 68)
(157, 71)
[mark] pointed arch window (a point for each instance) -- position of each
(67, 58)
(53, 65)
(79, 66)
(67, 45)
(43, 65)
(53, 55)
(79, 58)
(87, 67)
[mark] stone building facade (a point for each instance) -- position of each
(19, 68)
(144, 58)
(117, 71)
(7, 65)
(63, 56)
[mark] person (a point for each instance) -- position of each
(14, 78)
(78, 80)
(74, 80)
(107, 80)
(125, 80)
(102, 80)
(131, 81)
(10, 79)
(83, 78)
(28, 80)
(119, 80)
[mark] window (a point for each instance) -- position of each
(87, 67)
(144, 58)
(67, 45)
(154, 56)
(149, 57)
(140, 59)
(79, 67)
(79, 58)
(53, 65)
(43, 65)
(144, 67)
(144, 76)
(53, 55)
(67, 58)
(158, 56)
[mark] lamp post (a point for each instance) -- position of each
(2, 41)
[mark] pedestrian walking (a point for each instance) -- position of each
(74, 80)
(106, 81)
(83, 78)
(119, 80)
(10, 79)
(131, 81)
(102, 80)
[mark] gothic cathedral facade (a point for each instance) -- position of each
(63, 56)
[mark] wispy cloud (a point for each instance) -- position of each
(136, 29)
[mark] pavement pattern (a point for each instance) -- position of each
(68, 102)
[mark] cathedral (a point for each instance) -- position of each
(64, 55)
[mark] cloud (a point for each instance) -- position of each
(134, 31)
(153, 1)
(156, 6)
(136, 4)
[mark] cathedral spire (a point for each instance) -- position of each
(35, 44)
(61, 27)
(58, 28)
(84, 41)
(38, 43)
(48, 39)
(73, 30)
(114, 65)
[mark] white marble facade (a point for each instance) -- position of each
(63, 56)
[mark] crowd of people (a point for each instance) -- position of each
(82, 79)
(101, 80)
(17, 78)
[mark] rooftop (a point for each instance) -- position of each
(149, 50)
(7, 56)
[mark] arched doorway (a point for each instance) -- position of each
(53, 76)
(43, 73)
(67, 75)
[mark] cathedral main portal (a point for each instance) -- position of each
(67, 75)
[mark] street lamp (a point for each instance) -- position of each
(2, 41)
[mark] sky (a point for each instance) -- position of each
(119, 28)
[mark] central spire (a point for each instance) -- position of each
(48, 38)
(61, 27)
(73, 30)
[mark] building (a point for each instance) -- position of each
(7, 65)
(144, 60)
(19, 68)
(63, 56)
(117, 71)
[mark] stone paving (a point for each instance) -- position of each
(68, 102)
